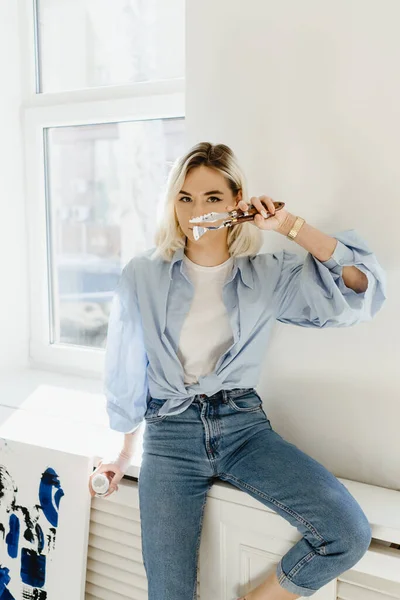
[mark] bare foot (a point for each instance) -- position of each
(270, 589)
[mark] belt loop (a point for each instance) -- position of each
(224, 395)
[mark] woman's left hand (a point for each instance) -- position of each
(271, 223)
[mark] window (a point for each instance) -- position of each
(92, 43)
(104, 193)
(104, 122)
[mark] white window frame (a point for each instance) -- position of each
(111, 104)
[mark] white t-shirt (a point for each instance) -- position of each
(206, 332)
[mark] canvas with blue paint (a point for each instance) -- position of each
(44, 522)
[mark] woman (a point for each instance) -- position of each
(188, 329)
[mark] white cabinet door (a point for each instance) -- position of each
(240, 546)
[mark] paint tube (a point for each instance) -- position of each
(100, 484)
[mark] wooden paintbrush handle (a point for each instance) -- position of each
(241, 218)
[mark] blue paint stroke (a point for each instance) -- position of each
(6, 595)
(4, 578)
(12, 537)
(49, 480)
(4, 581)
(33, 568)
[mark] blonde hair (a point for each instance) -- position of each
(243, 240)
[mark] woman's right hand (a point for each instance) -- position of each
(114, 470)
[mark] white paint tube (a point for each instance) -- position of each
(100, 484)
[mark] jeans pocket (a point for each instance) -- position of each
(249, 401)
(153, 408)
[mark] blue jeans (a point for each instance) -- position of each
(228, 436)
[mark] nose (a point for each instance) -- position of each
(196, 214)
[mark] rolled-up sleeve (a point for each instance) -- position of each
(312, 293)
(125, 369)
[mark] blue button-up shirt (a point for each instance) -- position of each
(153, 297)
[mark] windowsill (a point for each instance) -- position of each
(67, 413)
(59, 411)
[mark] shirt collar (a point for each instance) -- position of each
(240, 262)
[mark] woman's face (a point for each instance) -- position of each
(204, 190)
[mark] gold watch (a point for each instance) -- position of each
(299, 222)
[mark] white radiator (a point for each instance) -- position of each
(115, 568)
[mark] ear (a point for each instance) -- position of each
(236, 201)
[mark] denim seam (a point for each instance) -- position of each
(244, 410)
(240, 392)
(199, 538)
(218, 424)
(141, 532)
(155, 417)
(208, 439)
(283, 577)
(205, 429)
(277, 503)
(300, 565)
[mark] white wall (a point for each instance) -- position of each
(307, 94)
(13, 264)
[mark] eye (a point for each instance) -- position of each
(183, 198)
